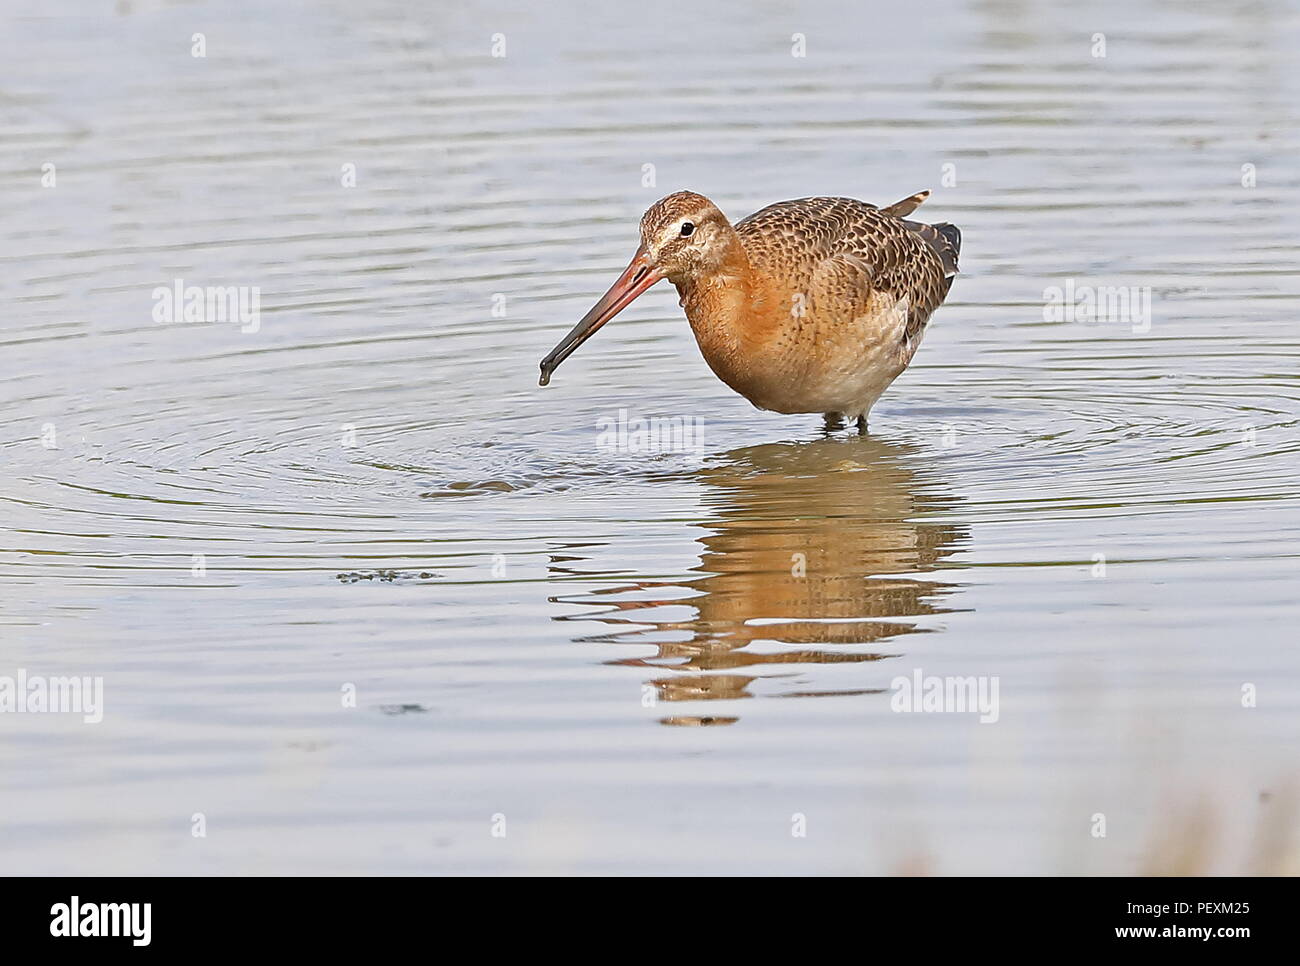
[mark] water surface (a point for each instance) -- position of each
(637, 662)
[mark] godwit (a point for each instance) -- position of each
(807, 306)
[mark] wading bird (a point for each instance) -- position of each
(807, 306)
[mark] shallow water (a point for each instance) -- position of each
(367, 493)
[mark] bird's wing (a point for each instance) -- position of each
(847, 287)
(847, 259)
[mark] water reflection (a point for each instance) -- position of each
(804, 564)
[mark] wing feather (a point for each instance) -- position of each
(848, 259)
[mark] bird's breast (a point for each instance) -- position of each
(784, 356)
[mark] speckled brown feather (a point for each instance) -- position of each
(843, 254)
(812, 305)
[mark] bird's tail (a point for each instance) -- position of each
(901, 209)
(944, 238)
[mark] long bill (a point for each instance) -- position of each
(636, 278)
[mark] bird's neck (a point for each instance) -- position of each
(724, 310)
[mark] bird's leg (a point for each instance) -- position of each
(833, 421)
(862, 425)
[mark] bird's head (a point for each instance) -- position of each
(683, 236)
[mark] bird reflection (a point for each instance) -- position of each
(812, 557)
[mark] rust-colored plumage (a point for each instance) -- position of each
(814, 305)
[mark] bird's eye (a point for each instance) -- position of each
(687, 229)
